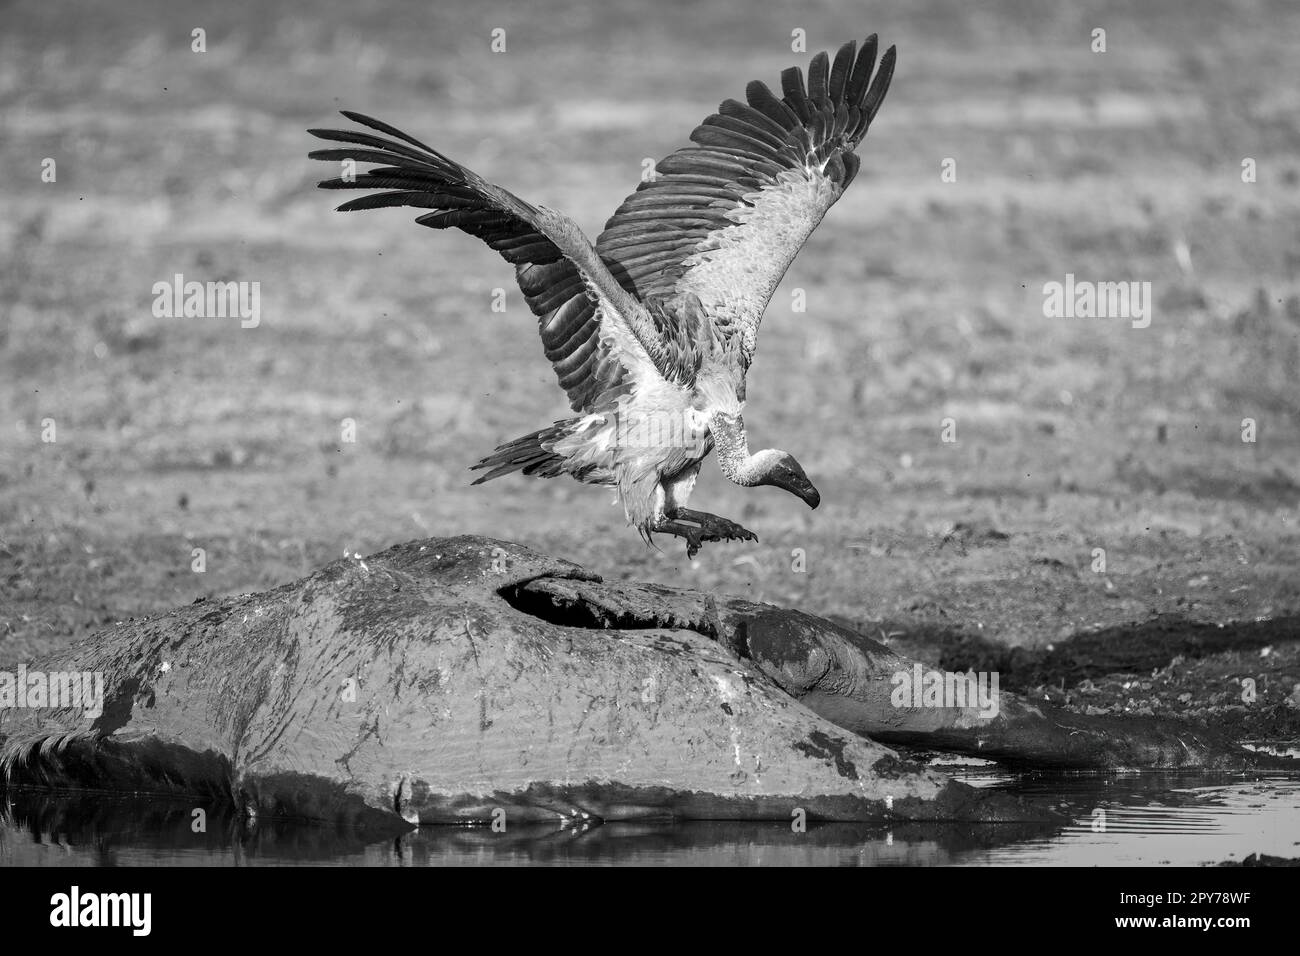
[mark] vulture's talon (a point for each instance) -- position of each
(738, 533)
(715, 528)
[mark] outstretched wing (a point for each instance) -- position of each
(723, 219)
(597, 336)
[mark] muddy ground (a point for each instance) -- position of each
(923, 302)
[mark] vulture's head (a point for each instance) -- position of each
(780, 468)
(771, 466)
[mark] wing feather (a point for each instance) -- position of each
(724, 218)
(597, 336)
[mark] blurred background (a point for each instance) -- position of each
(923, 302)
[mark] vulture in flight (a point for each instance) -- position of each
(651, 330)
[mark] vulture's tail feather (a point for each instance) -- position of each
(528, 454)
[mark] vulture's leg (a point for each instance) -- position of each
(676, 491)
(694, 536)
(706, 527)
(715, 528)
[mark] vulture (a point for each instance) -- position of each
(651, 330)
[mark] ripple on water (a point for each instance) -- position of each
(1117, 819)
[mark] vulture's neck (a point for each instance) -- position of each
(732, 448)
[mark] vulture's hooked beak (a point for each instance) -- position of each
(789, 475)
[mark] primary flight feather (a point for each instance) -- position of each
(651, 330)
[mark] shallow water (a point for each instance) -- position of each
(1128, 819)
(1156, 819)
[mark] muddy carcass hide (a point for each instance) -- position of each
(472, 680)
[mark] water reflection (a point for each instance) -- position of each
(1117, 819)
(1155, 818)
